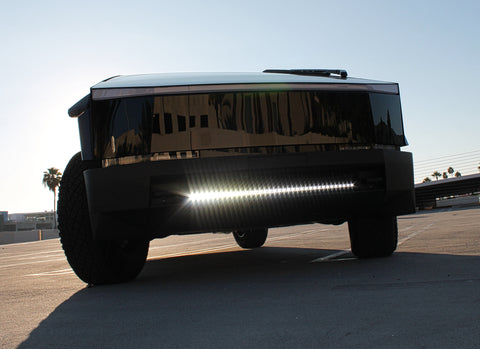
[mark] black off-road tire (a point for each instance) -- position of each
(251, 238)
(373, 236)
(94, 261)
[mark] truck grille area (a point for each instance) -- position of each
(264, 197)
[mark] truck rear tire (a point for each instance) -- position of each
(251, 238)
(373, 236)
(94, 261)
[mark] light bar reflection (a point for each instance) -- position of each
(208, 196)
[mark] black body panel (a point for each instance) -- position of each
(150, 199)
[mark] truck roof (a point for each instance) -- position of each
(182, 79)
(174, 83)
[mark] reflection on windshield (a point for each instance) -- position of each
(246, 120)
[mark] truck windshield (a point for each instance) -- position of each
(245, 122)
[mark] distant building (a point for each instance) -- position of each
(3, 219)
(26, 221)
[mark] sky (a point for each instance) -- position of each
(52, 52)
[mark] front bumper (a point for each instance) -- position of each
(157, 199)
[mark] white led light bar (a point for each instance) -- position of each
(208, 196)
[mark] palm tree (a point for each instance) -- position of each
(436, 174)
(51, 180)
(426, 180)
(450, 170)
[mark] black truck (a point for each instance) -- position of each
(188, 153)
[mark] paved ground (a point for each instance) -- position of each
(302, 290)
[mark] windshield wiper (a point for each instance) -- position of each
(313, 72)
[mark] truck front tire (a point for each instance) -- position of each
(251, 238)
(373, 236)
(94, 261)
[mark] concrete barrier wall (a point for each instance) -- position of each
(460, 201)
(11, 237)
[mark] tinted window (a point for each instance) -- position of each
(122, 126)
(387, 117)
(277, 119)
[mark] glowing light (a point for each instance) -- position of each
(208, 196)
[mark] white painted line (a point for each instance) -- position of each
(31, 254)
(234, 245)
(284, 237)
(56, 255)
(330, 256)
(194, 252)
(32, 242)
(341, 253)
(314, 231)
(344, 259)
(407, 228)
(182, 244)
(29, 263)
(223, 247)
(414, 234)
(53, 273)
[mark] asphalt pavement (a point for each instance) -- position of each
(303, 289)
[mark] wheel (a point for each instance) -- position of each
(251, 238)
(373, 236)
(94, 261)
